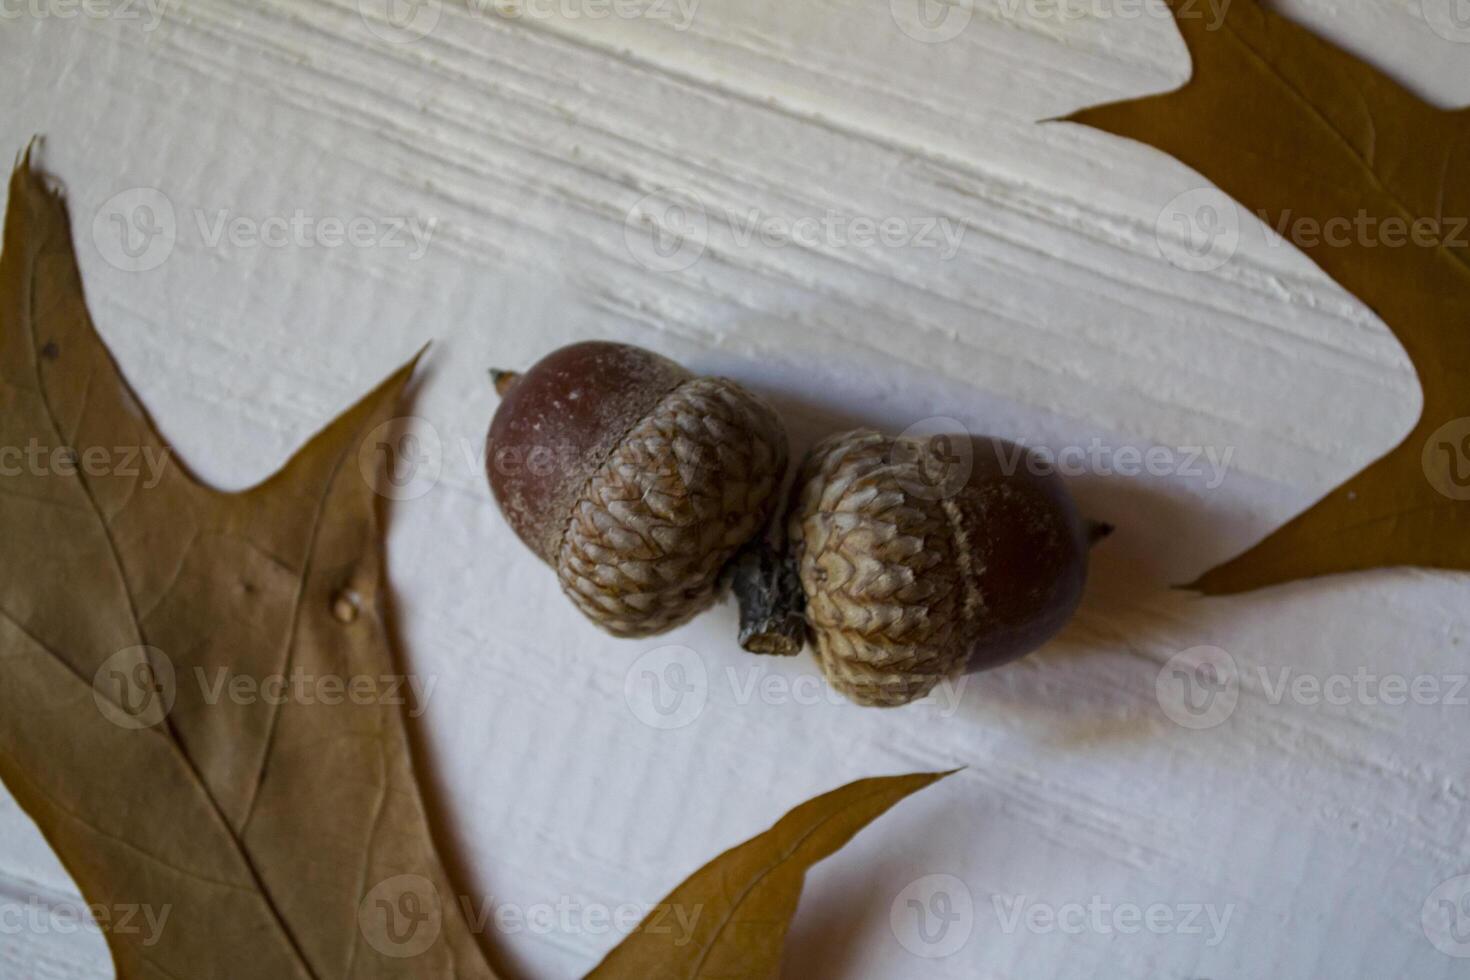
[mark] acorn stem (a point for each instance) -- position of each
(504, 381)
(772, 603)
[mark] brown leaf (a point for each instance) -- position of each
(131, 599)
(1296, 128)
(741, 903)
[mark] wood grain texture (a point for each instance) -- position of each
(525, 144)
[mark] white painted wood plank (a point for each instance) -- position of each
(48, 934)
(526, 142)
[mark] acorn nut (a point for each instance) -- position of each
(635, 480)
(920, 557)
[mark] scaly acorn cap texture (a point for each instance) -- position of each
(633, 479)
(919, 557)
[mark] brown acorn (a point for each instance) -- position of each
(635, 480)
(920, 557)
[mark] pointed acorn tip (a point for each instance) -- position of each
(503, 381)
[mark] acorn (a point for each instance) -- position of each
(635, 480)
(919, 558)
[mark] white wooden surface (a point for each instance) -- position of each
(1320, 829)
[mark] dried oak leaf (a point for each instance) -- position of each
(1288, 124)
(170, 714)
(742, 902)
(279, 838)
